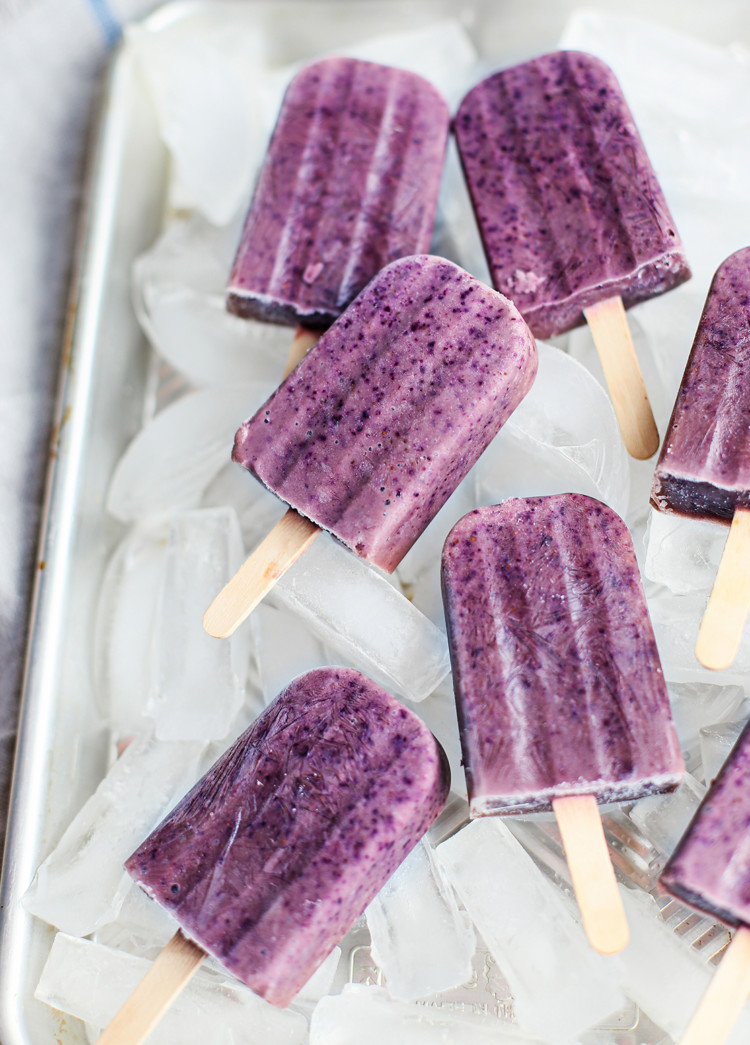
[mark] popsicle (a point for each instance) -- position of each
(373, 431)
(710, 870)
(571, 215)
(559, 690)
(349, 183)
(704, 465)
(271, 857)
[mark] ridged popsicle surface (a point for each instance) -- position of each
(271, 857)
(559, 688)
(350, 182)
(704, 464)
(373, 431)
(710, 868)
(568, 205)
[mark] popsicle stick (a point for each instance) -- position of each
(725, 997)
(289, 538)
(609, 328)
(591, 870)
(723, 623)
(304, 340)
(172, 970)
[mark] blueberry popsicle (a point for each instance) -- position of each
(571, 215)
(710, 870)
(560, 695)
(349, 183)
(703, 468)
(373, 431)
(271, 857)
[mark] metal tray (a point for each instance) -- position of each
(62, 750)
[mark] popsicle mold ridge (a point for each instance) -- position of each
(559, 688)
(271, 857)
(568, 205)
(350, 182)
(373, 431)
(704, 464)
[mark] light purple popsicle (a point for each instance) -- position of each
(710, 868)
(373, 431)
(558, 684)
(704, 464)
(568, 205)
(271, 857)
(349, 183)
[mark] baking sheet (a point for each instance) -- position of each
(62, 752)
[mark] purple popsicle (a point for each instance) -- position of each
(349, 183)
(373, 431)
(568, 205)
(273, 855)
(710, 868)
(704, 465)
(558, 683)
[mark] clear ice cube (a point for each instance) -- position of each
(92, 982)
(663, 818)
(198, 681)
(560, 986)
(421, 940)
(81, 884)
(362, 617)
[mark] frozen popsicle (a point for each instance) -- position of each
(704, 465)
(349, 183)
(560, 695)
(572, 218)
(710, 870)
(373, 431)
(271, 857)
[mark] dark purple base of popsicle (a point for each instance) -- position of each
(269, 310)
(654, 278)
(696, 901)
(541, 802)
(691, 498)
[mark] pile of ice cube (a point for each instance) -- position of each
(475, 938)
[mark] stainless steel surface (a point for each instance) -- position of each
(60, 753)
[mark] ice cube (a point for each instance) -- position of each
(92, 982)
(560, 986)
(81, 884)
(367, 1015)
(663, 973)
(364, 619)
(205, 116)
(284, 649)
(321, 980)
(418, 573)
(421, 940)
(172, 460)
(716, 743)
(676, 619)
(142, 926)
(179, 287)
(439, 713)
(124, 627)
(695, 705)
(562, 438)
(683, 553)
(664, 818)
(199, 681)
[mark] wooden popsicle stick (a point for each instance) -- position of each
(172, 970)
(289, 538)
(725, 997)
(723, 623)
(611, 333)
(591, 871)
(304, 340)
